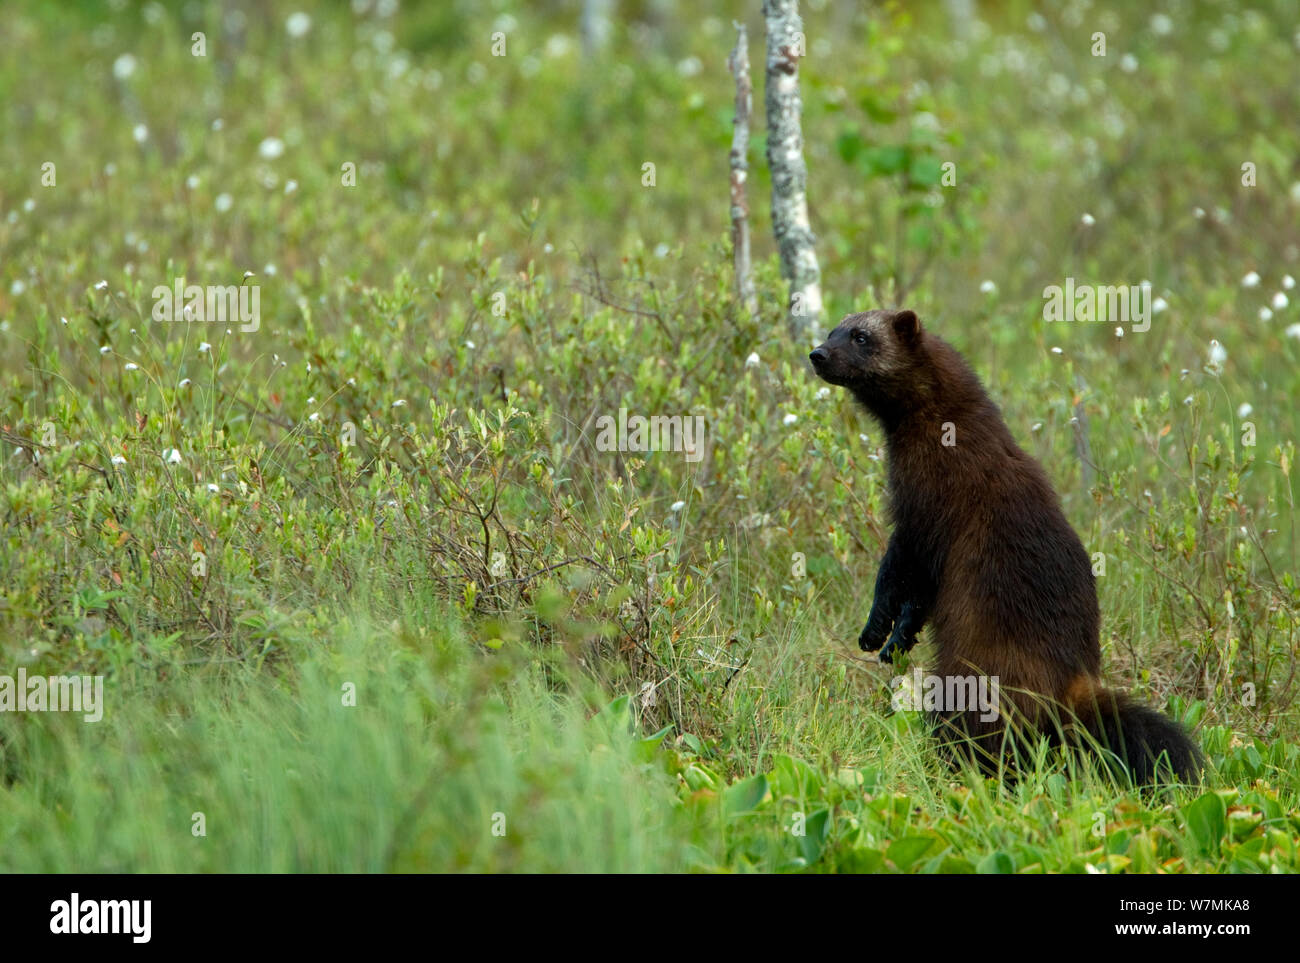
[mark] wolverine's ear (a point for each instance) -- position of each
(907, 327)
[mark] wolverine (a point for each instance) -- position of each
(982, 552)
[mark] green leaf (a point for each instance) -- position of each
(1206, 821)
(814, 839)
(744, 795)
(617, 716)
(862, 860)
(794, 777)
(658, 737)
(849, 145)
(885, 161)
(700, 777)
(904, 852)
(875, 109)
(996, 862)
(925, 171)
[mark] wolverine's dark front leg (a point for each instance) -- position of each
(886, 605)
(904, 597)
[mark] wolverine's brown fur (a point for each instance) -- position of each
(982, 551)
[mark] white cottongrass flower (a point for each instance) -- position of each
(1161, 24)
(271, 148)
(1056, 350)
(1280, 301)
(676, 506)
(1251, 280)
(753, 361)
(124, 66)
(132, 366)
(1158, 305)
(987, 287)
(101, 285)
(399, 403)
(1128, 63)
(213, 487)
(140, 133)
(173, 456)
(18, 287)
(290, 186)
(104, 349)
(204, 347)
(1265, 314)
(470, 345)
(1088, 220)
(1293, 331)
(1288, 282)
(192, 182)
(297, 23)
(314, 416)
(64, 320)
(184, 383)
(224, 202)
(1218, 354)
(690, 66)
(119, 460)
(1245, 410)
(823, 394)
(789, 419)
(1119, 332)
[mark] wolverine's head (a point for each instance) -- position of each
(870, 350)
(880, 357)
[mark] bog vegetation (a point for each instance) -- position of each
(368, 596)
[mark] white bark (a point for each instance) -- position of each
(739, 64)
(594, 25)
(790, 224)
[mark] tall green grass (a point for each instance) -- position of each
(447, 762)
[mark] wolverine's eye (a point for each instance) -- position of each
(859, 337)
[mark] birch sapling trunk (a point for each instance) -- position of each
(790, 224)
(594, 26)
(739, 64)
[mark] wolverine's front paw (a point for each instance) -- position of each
(898, 643)
(873, 636)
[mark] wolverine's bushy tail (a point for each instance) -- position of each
(1152, 747)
